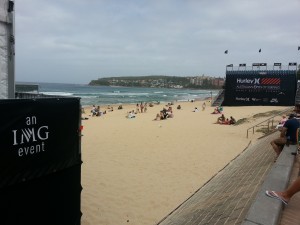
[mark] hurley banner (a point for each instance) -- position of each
(38, 137)
(260, 89)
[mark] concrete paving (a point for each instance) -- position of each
(227, 197)
(291, 212)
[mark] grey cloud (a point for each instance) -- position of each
(82, 40)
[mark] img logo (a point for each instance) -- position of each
(30, 139)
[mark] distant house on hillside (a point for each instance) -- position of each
(219, 82)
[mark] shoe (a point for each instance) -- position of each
(273, 194)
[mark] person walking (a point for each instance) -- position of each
(203, 106)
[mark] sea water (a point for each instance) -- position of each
(106, 95)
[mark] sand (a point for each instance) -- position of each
(136, 171)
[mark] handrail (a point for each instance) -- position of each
(286, 110)
(217, 96)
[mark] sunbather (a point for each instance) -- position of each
(232, 120)
(221, 119)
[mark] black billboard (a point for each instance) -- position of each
(260, 88)
(40, 161)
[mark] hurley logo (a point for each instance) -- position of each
(248, 81)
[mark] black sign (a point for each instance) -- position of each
(257, 89)
(230, 65)
(242, 65)
(40, 161)
(38, 137)
(277, 64)
(293, 64)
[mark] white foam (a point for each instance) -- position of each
(57, 93)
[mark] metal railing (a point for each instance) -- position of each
(214, 99)
(269, 120)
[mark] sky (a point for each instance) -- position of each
(76, 41)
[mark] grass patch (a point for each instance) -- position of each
(259, 115)
(267, 114)
(265, 130)
(241, 121)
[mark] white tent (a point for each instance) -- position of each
(7, 50)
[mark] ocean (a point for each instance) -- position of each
(106, 95)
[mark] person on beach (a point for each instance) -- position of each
(137, 108)
(170, 112)
(196, 110)
(93, 111)
(221, 119)
(217, 110)
(111, 109)
(232, 120)
(287, 194)
(157, 118)
(98, 113)
(179, 107)
(225, 122)
(288, 135)
(281, 123)
(203, 106)
(130, 115)
(164, 114)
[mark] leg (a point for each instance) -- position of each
(278, 144)
(276, 148)
(286, 195)
(293, 189)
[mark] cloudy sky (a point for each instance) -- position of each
(75, 41)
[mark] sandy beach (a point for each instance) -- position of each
(136, 171)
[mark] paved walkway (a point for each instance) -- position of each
(227, 197)
(291, 212)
